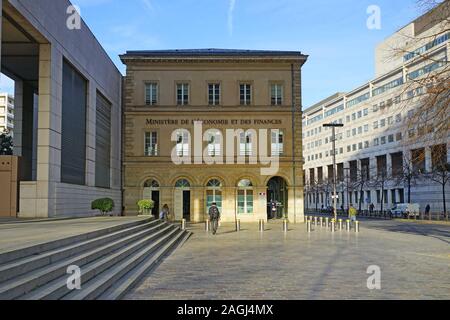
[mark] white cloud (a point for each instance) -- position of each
(230, 16)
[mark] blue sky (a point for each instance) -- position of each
(333, 33)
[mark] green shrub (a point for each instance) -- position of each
(104, 205)
(145, 206)
(6, 144)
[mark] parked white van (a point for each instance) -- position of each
(405, 210)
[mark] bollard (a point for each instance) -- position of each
(333, 226)
(286, 225)
(315, 221)
(183, 224)
(348, 225)
(238, 225)
(321, 221)
(261, 225)
(357, 226)
(327, 220)
(207, 225)
(308, 226)
(340, 224)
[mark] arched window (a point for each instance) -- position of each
(245, 184)
(182, 184)
(214, 183)
(151, 184)
(245, 197)
(213, 193)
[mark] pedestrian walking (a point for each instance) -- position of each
(214, 217)
(352, 213)
(164, 214)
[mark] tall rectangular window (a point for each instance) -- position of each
(103, 143)
(438, 156)
(151, 94)
(418, 160)
(183, 143)
(214, 143)
(245, 94)
(214, 94)
(277, 143)
(73, 126)
(276, 94)
(182, 94)
(151, 144)
(246, 146)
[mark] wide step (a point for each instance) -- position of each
(103, 281)
(111, 261)
(129, 281)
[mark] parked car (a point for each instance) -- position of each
(405, 210)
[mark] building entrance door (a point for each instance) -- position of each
(155, 198)
(276, 198)
(182, 200)
(187, 205)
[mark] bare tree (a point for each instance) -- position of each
(380, 181)
(406, 174)
(327, 187)
(441, 175)
(313, 188)
(362, 181)
(426, 90)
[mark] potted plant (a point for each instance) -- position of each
(145, 206)
(104, 205)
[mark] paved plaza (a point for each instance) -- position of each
(414, 260)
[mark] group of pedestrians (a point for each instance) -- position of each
(214, 216)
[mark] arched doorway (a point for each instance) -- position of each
(277, 197)
(214, 194)
(182, 200)
(151, 192)
(244, 197)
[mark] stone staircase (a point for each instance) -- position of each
(111, 260)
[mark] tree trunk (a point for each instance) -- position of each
(444, 201)
(361, 198)
(409, 190)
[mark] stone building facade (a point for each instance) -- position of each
(383, 143)
(192, 104)
(67, 119)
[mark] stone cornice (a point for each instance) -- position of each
(133, 60)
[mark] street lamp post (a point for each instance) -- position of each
(333, 127)
(348, 187)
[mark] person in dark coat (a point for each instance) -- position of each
(427, 210)
(214, 217)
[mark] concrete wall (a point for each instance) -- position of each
(47, 196)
